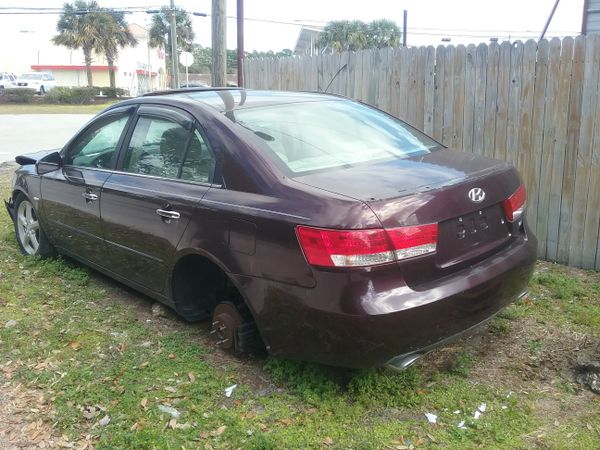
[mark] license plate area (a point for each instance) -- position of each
(467, 236)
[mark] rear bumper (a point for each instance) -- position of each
(367, 319)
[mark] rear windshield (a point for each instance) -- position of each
(315, 136)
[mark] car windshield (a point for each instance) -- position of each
(315, 136)
(31, 76)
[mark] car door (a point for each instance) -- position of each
(71, 196)
(163, 172)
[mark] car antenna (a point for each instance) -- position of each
(334, 77)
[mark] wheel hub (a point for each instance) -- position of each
(225, 322)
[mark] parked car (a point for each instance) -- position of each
(326, 229)
(7, 80)
(42, 82)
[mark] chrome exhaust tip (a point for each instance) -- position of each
(403, 362)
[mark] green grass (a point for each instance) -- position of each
(559, 297)
(84, 344)
(42, 108)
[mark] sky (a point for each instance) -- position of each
(463, 21)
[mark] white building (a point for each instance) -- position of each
(138, 69)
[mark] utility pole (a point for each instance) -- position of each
(404, 28)
(219, 49)
(174, 63)
(240, 42)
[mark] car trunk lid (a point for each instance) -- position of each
(434, 188)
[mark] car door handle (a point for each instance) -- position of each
(168, 214)
(89, 197)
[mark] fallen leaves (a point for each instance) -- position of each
(219, 431)
(192, 377)
(74, 345)
(104, 421)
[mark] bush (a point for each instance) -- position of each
(14, 95)
(74, 95)
(113, 92)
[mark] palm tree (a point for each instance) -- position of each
(115, 34)
(344, 35)
(160, 35)
(78, 28)
(383, 33)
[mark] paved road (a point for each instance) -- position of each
(24, 133)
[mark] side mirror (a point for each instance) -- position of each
(49, 163)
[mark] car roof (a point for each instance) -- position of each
(231, 99)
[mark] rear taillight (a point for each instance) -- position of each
(514, 206)
(359, 248)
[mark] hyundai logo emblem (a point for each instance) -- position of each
(477, 195)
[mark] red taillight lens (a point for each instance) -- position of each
(515, 204)
(414, 241)
(356, 248)
(337, 248)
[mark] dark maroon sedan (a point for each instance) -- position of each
(321, 227)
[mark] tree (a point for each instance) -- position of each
(80, 31)
(346, 35)
(383, 33)
(343, 35)
(270, 54)
(160, 31)
(115, 34)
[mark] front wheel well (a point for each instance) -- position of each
(198, 285)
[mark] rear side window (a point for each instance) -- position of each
(164, 148)
(97, 145)
(199, 163)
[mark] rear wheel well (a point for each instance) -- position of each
(198, 285)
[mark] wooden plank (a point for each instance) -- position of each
(420, 87)
(469, 97)
(547, 156)
(351, 77)
(479, 101)
(412, 86)
(514, 103)
(524, 160)
(571, 147)
(404, 83)
(561, 113)
(429, 89)
(592, 216)
(395, 82)
(381, 72)
(589, 107)
(502, 101)
(537, 126)
(491, 97)
(459, 97)
(447, 126)
(438, 96)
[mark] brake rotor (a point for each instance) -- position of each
(225, 321)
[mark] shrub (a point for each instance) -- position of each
(74, 95)
(14, 95)
(111, 92)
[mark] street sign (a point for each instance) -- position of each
(186, 59)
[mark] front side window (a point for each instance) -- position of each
(164, 148)
(316, 136)
(98, 144)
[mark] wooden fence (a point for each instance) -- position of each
(534, 104)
